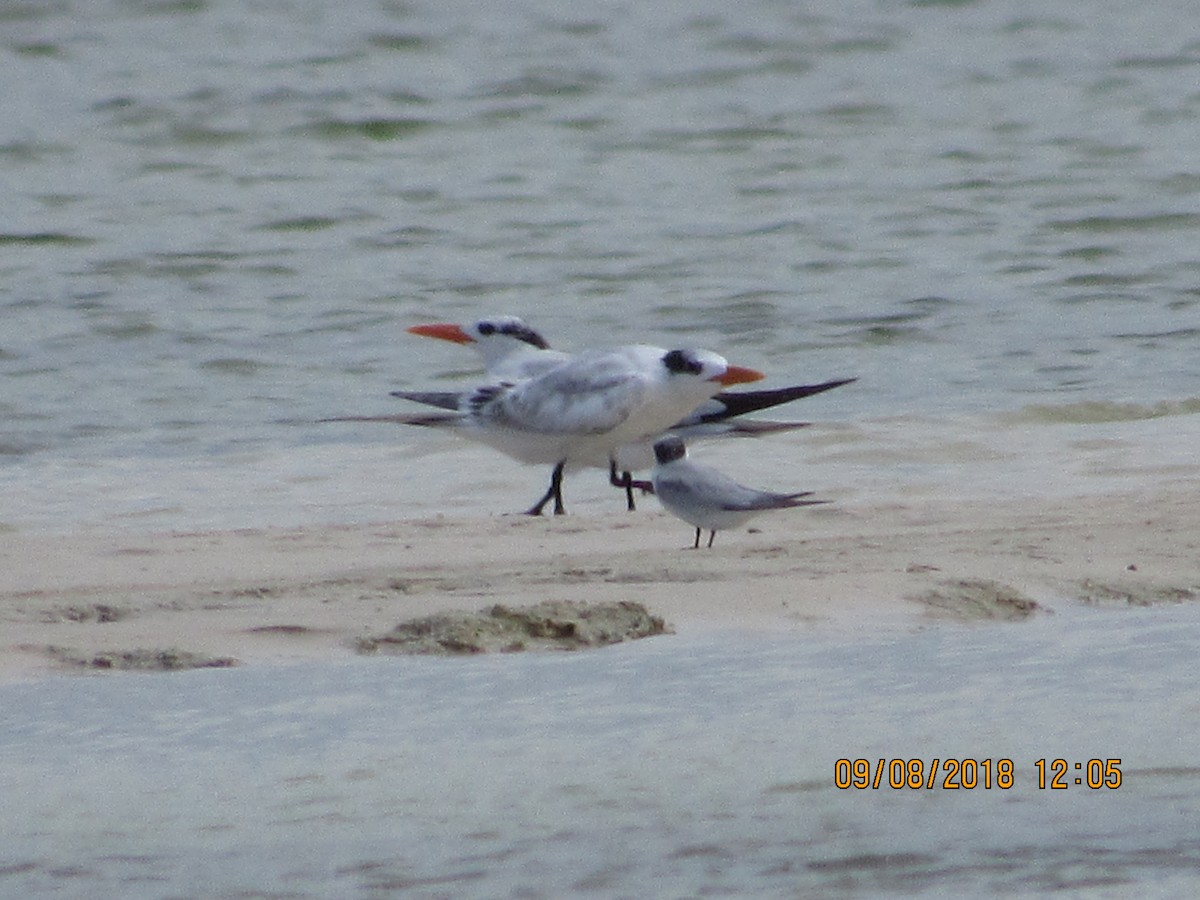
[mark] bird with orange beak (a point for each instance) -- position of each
(513, 351)
(582, 410)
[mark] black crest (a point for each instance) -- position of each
(513, 329)
(680, 362)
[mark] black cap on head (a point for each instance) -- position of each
(513, 328)
(669, 449)
(679, 362)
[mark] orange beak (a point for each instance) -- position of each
(739, 375)
(446, 331)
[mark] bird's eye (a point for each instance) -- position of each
(486, 328)
(680, 361)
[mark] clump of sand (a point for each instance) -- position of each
(139, 660)
(550, 625)
(1133, 593)
(972, 599)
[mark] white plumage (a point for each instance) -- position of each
(580, 412)
(513, 352)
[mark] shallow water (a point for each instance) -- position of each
(696, 764)
(221, 216)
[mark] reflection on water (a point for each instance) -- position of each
(698, 764)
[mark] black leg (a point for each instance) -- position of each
(625, 481)
(711, 535)
(554, 492)
(556, 482)
(646, 487)
(536, 509)
(696, 546)
(628, 482)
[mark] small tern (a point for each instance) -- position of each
(512, 351)
(707, 498)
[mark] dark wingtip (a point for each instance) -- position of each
(440, 399)
(739, 403)
(427, 419)
(757, 427)
(803, 500)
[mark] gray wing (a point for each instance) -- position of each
(771, 500)
(586, 398)
(724, 493)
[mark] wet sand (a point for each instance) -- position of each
(247, 597)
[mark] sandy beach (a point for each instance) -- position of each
(248, 597)
(921, 628)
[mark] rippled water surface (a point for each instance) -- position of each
(682, 766)
(220, 217)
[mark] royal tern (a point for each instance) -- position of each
(581, 412)
(512, 351)
(707, 498)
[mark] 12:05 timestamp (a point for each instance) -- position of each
(1059, 774)
(969, 774)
